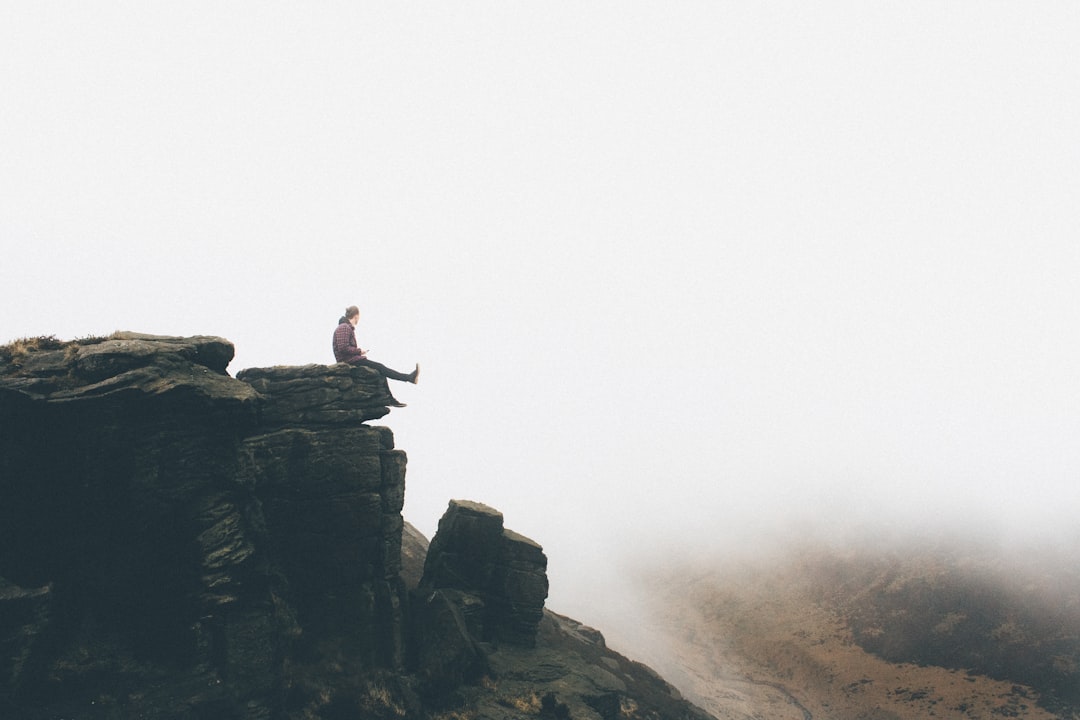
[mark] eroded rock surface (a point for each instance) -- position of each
(178, 544)
(175, 542)
(507, 573)
(481, 585)
(318, 395)
(563, 669)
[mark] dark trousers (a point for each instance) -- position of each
(387, 372)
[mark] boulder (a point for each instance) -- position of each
(506, 572)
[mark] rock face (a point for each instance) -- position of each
(482, 584)
(178, 544)
(318, 395)
(175, 542)
(567, 670)
(507, 573)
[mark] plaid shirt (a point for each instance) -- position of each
(345, 349)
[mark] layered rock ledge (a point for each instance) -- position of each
(178, 544)
(223, 545)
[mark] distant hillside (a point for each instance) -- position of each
(877, 634)
(1014, 619)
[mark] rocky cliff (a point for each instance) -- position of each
(179, 543)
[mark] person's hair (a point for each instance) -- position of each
(351, 312)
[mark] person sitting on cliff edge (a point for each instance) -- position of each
(347, 351)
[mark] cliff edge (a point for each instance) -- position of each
(179, 543)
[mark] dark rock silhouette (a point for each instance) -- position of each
(481, 583)
(178, 543)
(504, 571)
(568, 672)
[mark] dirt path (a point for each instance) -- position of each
(807, 715)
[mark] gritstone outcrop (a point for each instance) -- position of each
(178, 543)
(481, 584)
(505, 572)
(221, 546)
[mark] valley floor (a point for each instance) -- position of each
(758, 647)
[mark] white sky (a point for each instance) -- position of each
(674, 272)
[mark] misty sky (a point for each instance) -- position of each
(676, 273)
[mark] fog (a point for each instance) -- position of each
(681, 279)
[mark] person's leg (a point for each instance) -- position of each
(387, 372)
